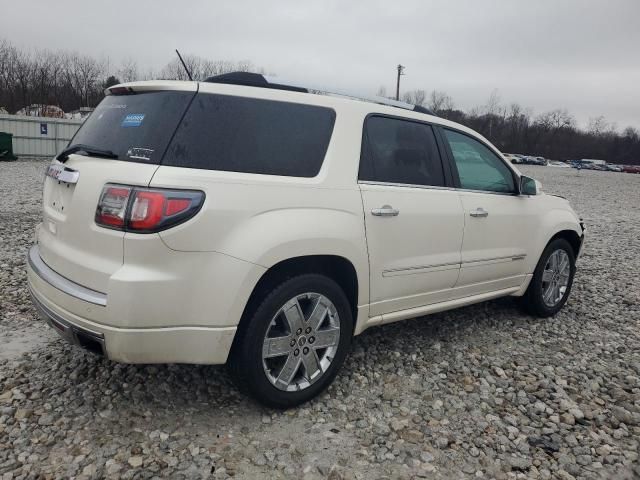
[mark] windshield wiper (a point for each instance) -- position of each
(88, 149)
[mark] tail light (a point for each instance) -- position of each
(145, 210)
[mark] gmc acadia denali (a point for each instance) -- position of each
(248, 221)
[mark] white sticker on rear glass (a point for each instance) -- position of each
(138, 153)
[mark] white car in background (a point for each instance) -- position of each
(512, 158)
(256, 223)
(558, 164)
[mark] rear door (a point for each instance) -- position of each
(136, 128)
(414, 223)
(498, 221)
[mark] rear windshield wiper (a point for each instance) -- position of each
(88, 149)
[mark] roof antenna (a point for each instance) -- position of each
(184, 65)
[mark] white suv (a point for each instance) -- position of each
(264, 225)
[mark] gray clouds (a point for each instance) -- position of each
(576, 54)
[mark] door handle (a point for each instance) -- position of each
(479, 212)
(385, 211)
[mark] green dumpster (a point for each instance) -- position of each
(6, 146)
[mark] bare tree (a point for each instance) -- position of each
(128, 71)
(631, 133)
(85, 74)
(382, 91)
(598, 126)
(202, 68)
(556, 119)
(440, 101)
(493, 104)
(415, 97)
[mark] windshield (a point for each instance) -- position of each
(134, 127)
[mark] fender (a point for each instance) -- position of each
(553, 221)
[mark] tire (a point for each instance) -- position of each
(534, 300)
(265, 379)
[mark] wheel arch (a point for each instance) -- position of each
(336, 267)
(570, 236)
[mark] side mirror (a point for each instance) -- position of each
(529, 186)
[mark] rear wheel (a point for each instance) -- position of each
(295, 341)
(552, 280)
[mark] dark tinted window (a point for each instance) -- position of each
(399, 151)
(238, 134)
(478, 167)
(135, 127)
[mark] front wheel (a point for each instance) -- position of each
(294, 342)
(552, 280)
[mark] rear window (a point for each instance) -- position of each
(238, 134)
(135, 127)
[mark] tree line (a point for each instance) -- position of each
(553, 135)
(71, 80)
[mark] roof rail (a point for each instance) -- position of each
(268, 81)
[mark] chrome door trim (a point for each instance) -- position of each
(432, 187)
(481, 262)
(62, 173)
(394, 272)
(61, 283)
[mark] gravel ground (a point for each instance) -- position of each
(483, 392)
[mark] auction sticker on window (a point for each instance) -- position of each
(138, 153)
(133, 120)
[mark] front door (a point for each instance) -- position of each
(498, 223)
(413, 224)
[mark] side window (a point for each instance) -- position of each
(249, 135)
(478, 167)
(400, 151)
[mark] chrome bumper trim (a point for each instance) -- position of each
(74, 334)
(61, 283)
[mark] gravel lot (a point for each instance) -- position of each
(483, 392)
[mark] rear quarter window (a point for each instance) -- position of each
(238, 134)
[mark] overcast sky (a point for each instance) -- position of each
(583, 55)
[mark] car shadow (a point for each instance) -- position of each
(93, 381)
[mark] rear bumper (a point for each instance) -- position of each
(75, 334)
(59, 301)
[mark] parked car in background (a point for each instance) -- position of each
(512, 158)
(614, 168)
(531, 160)
(218, 221)
(631, 168)
(558, 164)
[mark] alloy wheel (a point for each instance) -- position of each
(555, 278)
(301, 342)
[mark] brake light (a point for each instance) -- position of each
(145, 210)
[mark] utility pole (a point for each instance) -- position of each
(400, 72)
